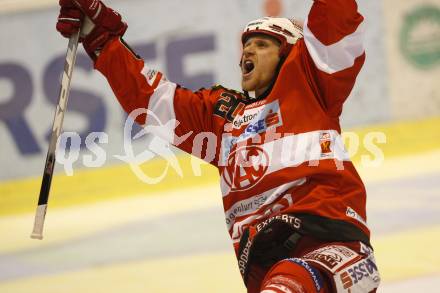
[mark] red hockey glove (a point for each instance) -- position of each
(107, 23)
(69, 20)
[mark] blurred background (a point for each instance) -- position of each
(107, 231)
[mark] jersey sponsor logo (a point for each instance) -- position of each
(151, 76)
(366, 250)
(281, 204)
(352, 214)
(273, 199)
(265, 113)
(247, 206)
(244, 257)
(256, 104)
(288, 219)
(332, 257)
(351, 271)
(268, 116)
(246, 166)
(363, 274)
(257, 120)
(245, 119)
(325, 143)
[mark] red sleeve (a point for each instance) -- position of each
(138, 87)
(333, 34)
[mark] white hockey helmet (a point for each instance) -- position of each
(287, 31)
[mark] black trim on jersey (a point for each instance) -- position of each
(327, 229)
(219, 86)
(245, 98)
(126, 45)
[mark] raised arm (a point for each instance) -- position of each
(135, 85)
(333, 34)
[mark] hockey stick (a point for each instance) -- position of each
(40, 214)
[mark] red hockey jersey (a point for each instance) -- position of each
(280, 154)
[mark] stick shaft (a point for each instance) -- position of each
(43, 198)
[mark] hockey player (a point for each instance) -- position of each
(294, 203)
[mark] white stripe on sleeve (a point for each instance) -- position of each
(161, 107)
(338, 56)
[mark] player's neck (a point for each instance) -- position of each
(259, 92)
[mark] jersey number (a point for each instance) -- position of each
(228, 106)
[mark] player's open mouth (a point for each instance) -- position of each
(248, 67)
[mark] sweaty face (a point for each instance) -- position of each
(259, 62)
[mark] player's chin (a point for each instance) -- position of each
(247, 85)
